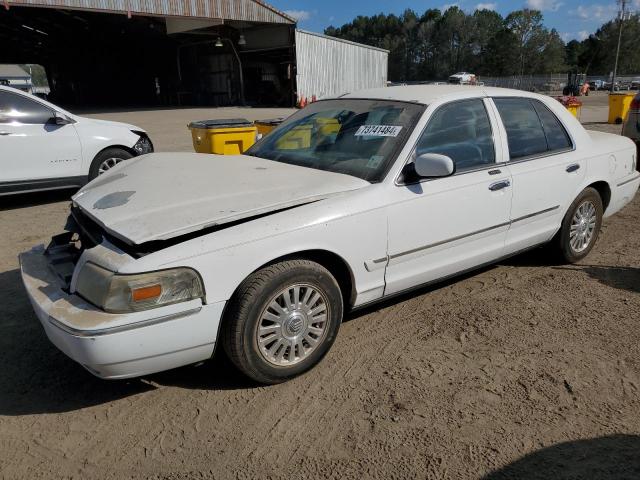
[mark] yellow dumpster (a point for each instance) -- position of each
(327, 126)
(619, 104)
(265, 126)
(297, 138)
(223, 137)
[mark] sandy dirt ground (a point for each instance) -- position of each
(524, 370)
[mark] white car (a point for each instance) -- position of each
(348, 202)
(43, 147)
(463, 78)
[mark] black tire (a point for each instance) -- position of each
(113, 152)
(563, 239)
(250, 302)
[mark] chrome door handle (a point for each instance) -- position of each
(4, 134)
(499, 185)
(573, 168)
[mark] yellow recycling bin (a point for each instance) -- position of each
(223, 137)
(619, 104)
(295, 139)
(265, 126)
(327, 126)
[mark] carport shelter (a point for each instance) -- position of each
(119, 53)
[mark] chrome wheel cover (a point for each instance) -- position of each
(583, 227)
(108, 164)
(293, 324)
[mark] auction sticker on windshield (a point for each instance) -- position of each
(378, 131)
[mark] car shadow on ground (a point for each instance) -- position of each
(614, 457)
(622, 278)
(24, 200)
(37, 378)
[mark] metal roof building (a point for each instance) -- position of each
(14, 76)
(179, 52)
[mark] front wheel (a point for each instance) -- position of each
(106, 160)
(282, 320)
(581, 225)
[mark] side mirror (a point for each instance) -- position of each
(60, 119)
(430, 165)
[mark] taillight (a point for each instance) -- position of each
(635, 103)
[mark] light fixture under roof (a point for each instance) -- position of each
(242, 40)
(219, 42)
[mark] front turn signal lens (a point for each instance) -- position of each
(146, 293)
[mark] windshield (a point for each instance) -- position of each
(356, 137)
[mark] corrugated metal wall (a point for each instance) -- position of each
(247, 10)
(328, 67)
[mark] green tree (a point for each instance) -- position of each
(527, 27)
(552, 57)
(487, 24)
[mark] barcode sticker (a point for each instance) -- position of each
(378, 131)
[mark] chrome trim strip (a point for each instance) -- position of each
(537, 156)
(546, 210)
(629, 181)
(460, 237)
(121, 328)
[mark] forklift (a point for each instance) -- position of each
(575, 81)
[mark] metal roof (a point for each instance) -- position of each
(12, 71)
(336, 39)
(244, 10)
(427, 94)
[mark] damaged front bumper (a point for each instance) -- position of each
(116, 345)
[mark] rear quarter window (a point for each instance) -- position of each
(532, 129)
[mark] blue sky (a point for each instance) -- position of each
(572, 18)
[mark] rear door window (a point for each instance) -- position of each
(532, 129)
(524, 129)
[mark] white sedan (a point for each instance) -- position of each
(43, 147)
(350, 201)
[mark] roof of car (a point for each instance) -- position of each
(427, 94)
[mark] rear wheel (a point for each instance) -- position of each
(581, 225)
(106, 160)
(282, 320)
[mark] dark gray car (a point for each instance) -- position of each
(631, 127)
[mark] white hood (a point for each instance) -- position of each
(109, 123)
(163, 195)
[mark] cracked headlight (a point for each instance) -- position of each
(116, 293)
(143, 145)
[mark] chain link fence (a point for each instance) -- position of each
(553, 83)
(550, 84)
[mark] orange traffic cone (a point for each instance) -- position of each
(303, 102)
